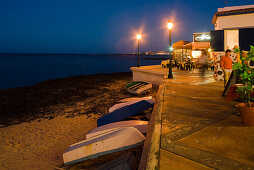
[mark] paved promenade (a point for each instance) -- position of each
(195, 128)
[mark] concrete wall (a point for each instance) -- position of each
(234, 21)
(149, 74)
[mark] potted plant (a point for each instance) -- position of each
(246, 74)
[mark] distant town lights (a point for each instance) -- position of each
(170, 25)
(138, 36)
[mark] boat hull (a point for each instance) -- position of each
(127, 137)
(125, 112)
(120, 105)
(138, 124)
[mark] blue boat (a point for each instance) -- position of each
(125, 112)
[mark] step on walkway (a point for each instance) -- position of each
(197, 129)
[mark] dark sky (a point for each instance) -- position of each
(101, 26)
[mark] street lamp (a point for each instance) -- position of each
(170, 75)
(138, 38)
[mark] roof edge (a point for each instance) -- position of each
(231, 12)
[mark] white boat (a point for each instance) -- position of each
(138, 124)
(128, 99)
(119, 105)
(113, 141)
(138, 87)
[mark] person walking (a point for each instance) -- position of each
(203, 62)
(226, 65)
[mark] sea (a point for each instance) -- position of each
(19, 70)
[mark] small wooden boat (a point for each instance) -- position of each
(138, 124)
(119, 105)
(138, 87)
(125, 112)
(113, 141)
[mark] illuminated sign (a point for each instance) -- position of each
(201, 37)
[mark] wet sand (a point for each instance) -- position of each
(39, 122)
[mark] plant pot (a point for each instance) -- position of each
(247, 113)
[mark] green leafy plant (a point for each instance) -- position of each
(246, 74)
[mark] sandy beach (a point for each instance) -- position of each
(39, 122)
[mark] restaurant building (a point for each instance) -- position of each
(180, 51)
(183, 50)
(234, 27)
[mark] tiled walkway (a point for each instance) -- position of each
(199, 130)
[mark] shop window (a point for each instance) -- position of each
(217, 40)
(246, 38)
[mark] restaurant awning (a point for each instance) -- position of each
(181, 45)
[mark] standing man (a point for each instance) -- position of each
(226, 65)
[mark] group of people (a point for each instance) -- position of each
(187, 65)
(204, 63)
(225, 63)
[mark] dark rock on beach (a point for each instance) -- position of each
(71, 96)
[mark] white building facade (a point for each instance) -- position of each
(234, 27)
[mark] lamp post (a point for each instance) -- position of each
(138, 38)
(170, 75)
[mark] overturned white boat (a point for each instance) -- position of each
(106, 143)
(128, 99)
(138, 124)
(130, 102)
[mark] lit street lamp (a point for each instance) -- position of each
(170, 75)
(138, 38)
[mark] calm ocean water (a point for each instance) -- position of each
(24, 70)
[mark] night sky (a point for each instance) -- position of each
(102, 26)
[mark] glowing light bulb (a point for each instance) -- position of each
(138, 36)
(170, 25)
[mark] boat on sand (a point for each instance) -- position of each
(128, 99)
(127, 137)
(119, 105)
(138, 87)
(125, 112)
(138, 124)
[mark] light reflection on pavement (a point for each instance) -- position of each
(192, 77)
